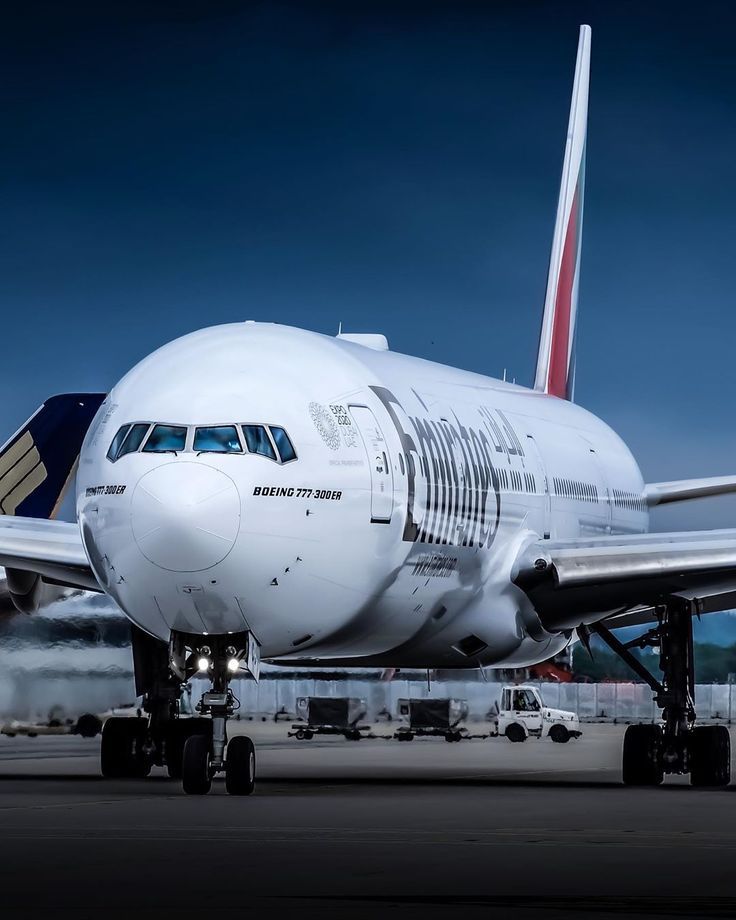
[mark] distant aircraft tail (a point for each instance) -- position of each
(37, 463)
(556, 357)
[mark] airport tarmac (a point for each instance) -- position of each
(371, 828)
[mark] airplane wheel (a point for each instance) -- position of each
(559, 734)
(300, 734)
(515, 733)
(195, 765)
(122, 752)
(240, 766)
(710, 756)
(642, 756)
(177, 733)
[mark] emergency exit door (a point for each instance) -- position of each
(379, 461)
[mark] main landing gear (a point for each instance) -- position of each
(677, 745)
(191, 749)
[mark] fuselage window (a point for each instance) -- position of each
(286, 448)
(221, 440)
(256, 437)
(134, 438)
(112, 454)
(166, 438)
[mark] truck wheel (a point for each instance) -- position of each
(515, 733)
(559, 734)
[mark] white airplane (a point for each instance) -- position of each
(258, 491)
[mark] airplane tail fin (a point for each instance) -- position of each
(556, 357)
(37, 462)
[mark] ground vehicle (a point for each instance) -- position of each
(439, 717)
(325, 715)
(522, 713)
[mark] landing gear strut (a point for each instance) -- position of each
(220, 658)
(192, 749)
(677, 745)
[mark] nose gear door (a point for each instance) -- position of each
(379, 462)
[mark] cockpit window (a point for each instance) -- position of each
(134, 439)
(222, 440)
(165, 438)
(258, 441)
(283, 444)
(112, 454)
(270, 441)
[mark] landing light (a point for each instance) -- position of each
(233, 665)
(203, 664)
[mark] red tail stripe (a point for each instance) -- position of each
(560, 350)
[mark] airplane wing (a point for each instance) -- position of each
(662, 493)
(577, 582)
(51, 549)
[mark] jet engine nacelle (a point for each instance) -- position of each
(25, 590)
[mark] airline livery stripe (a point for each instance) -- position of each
(560, 351)
(19, 471)
(15, 452)
(24, 488)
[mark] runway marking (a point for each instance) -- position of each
(516, 773)
(549, 839)
(120, 801)
(338, 836)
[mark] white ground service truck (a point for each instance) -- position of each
(523, 714)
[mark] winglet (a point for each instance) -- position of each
(556, 357)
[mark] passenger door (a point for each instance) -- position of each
(379, 462)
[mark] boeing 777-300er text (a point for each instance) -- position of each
(257, 491)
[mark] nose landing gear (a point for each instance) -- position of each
(206, 755)
(192, 749)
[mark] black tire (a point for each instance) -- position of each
(559, 734)
(300, 734)
(195, 765)
(88, 725)
(642, 756)
(122, 751)
(515, 733)
(177, 733)
(240, 766)
(308, 735)
(710, 756)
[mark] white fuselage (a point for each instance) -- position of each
(390, 538)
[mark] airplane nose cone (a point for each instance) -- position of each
(185, 516)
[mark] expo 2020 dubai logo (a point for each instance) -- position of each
(325, 424)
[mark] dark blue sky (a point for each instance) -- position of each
(393, 166)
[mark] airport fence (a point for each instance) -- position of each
(605, 702)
